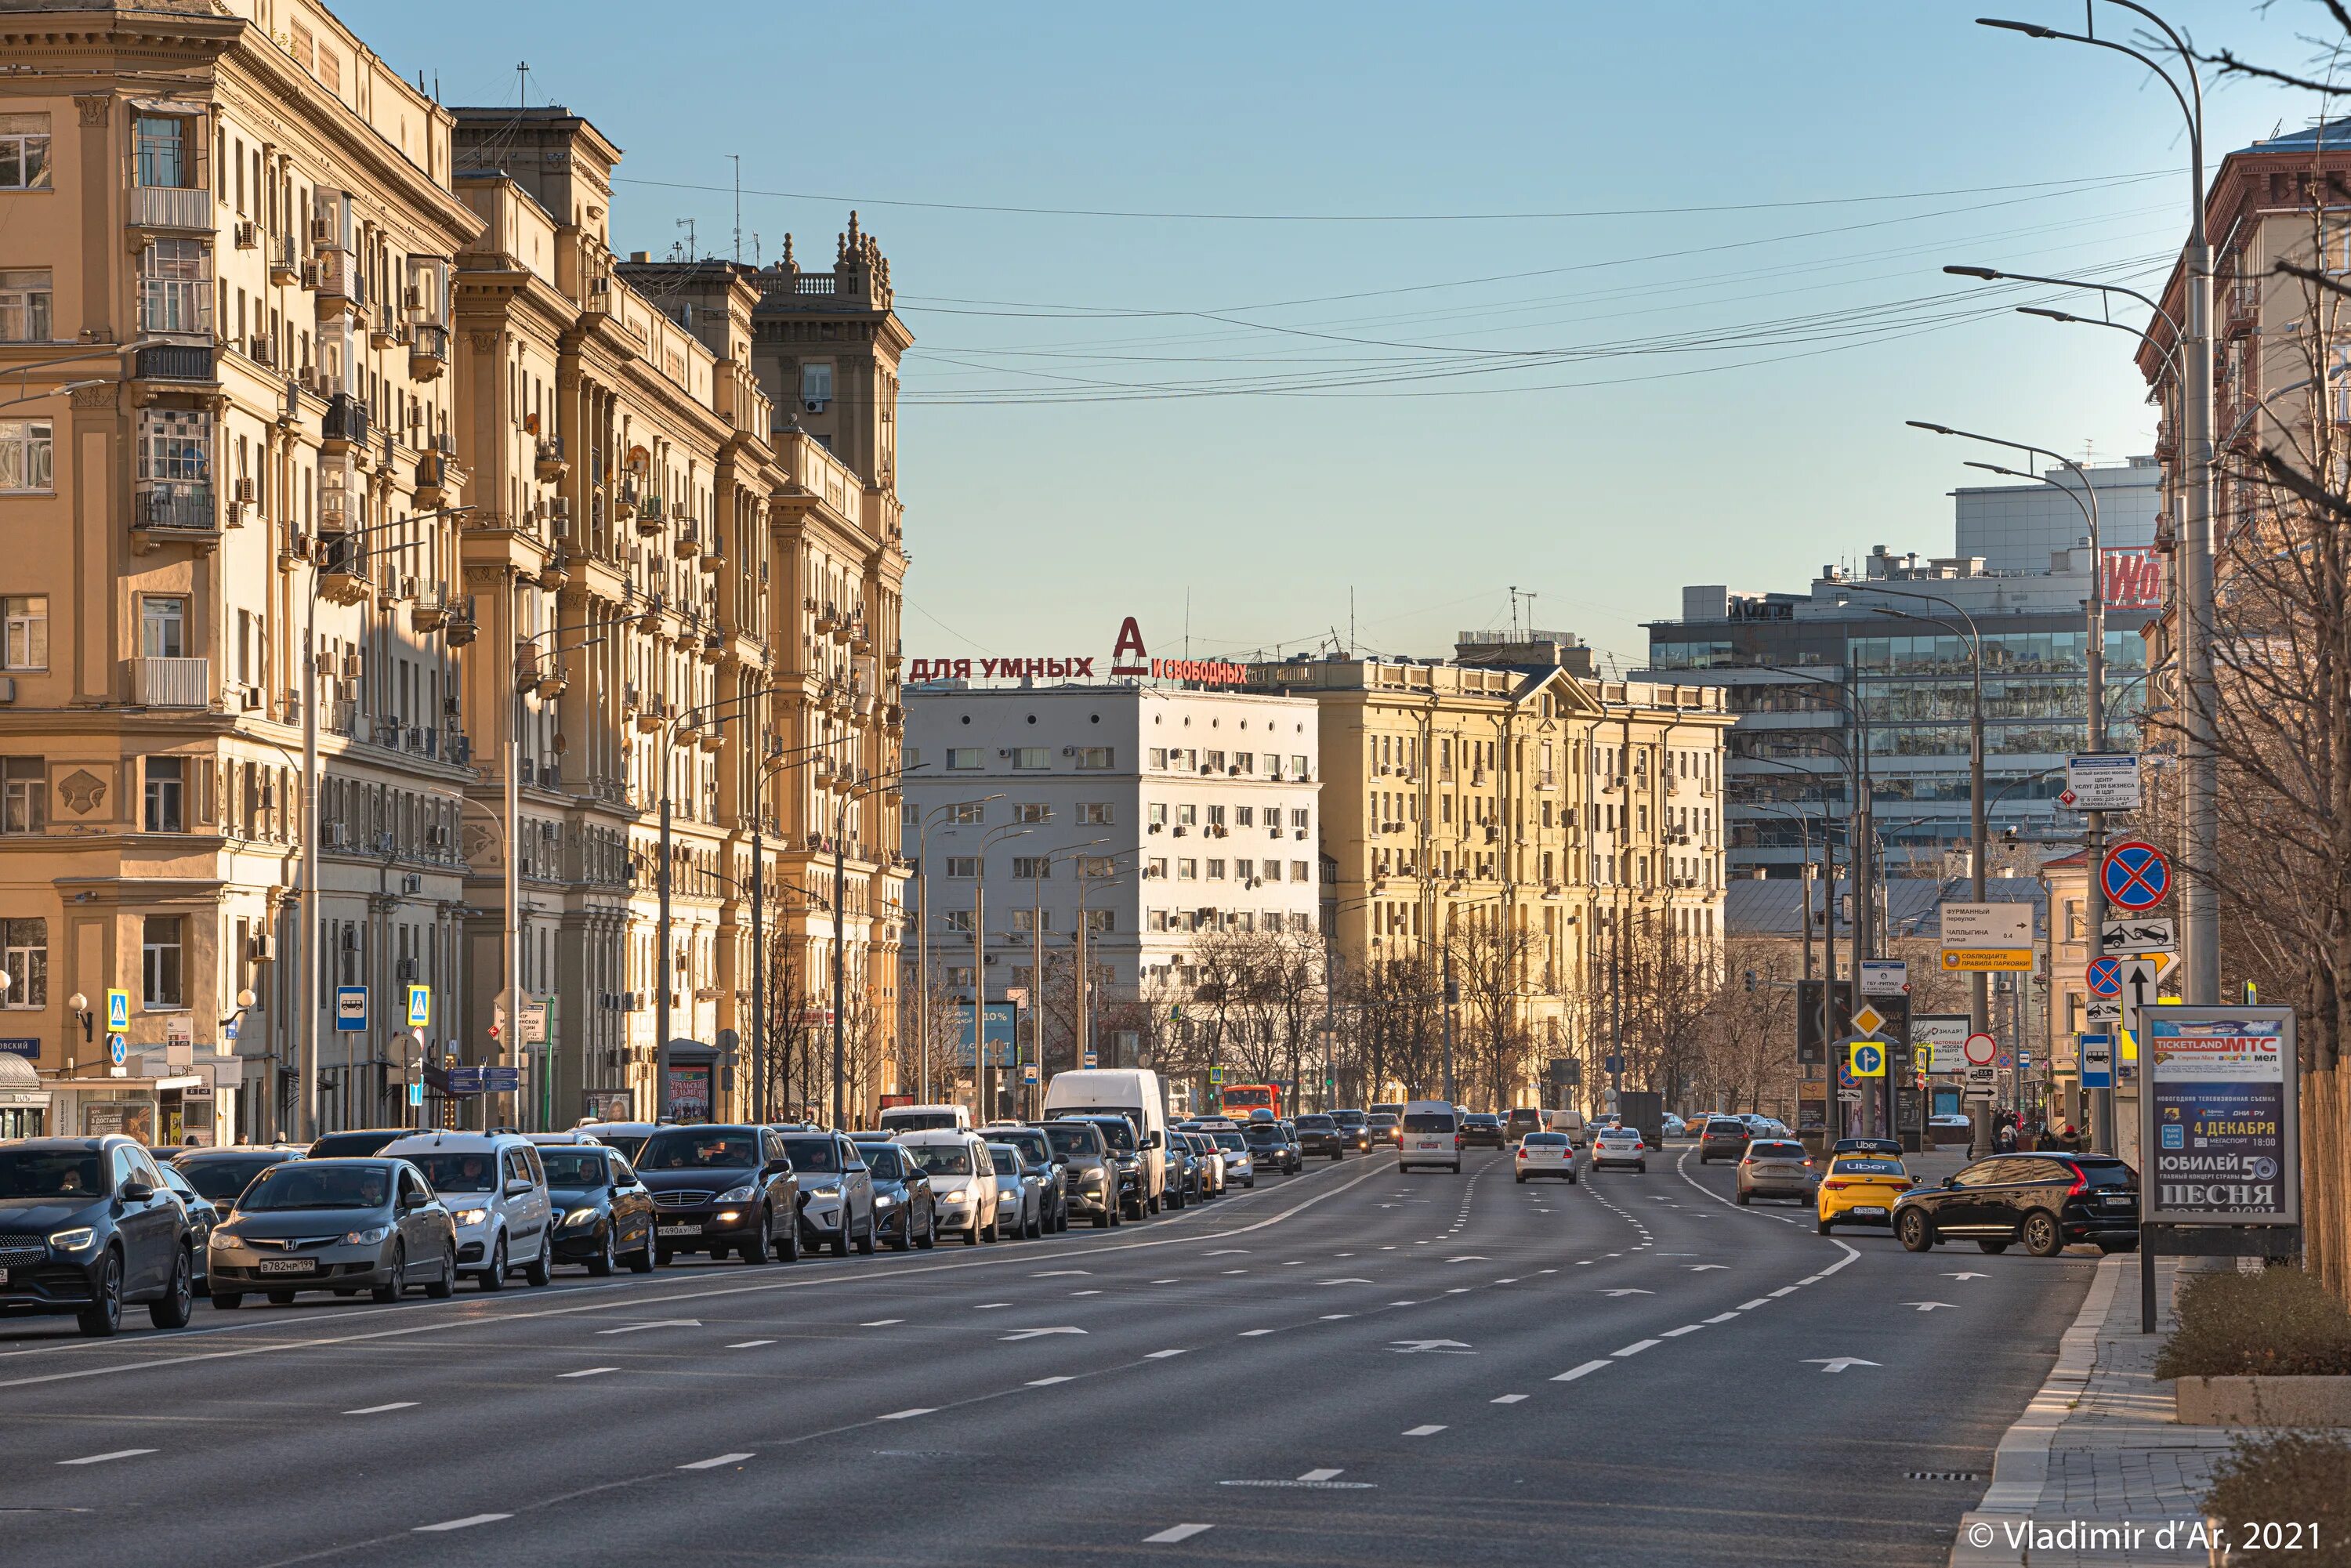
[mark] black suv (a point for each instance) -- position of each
(85, 1225)
(1273, 1148)
(1322, 1135)
(1358, 1128)
(1482, 1127)
(721, 1189)
(2046, 1201)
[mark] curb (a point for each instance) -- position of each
(2020, 1469)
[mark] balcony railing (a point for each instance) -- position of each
(171, 682)
(176, 363)
(170, 207)
(176, 504)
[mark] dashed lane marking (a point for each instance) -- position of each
(716, 1460)
(1174, 1533)
(909, 1415)
(749, 1344)
(1586, 1370)
(588, 1372)
(467, 1522)
(103, 1459)
(1422, 1431)
(379, 1409)
(1509, 1399)
(1636, 1348)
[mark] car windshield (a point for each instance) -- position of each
(1619, 1136)
(299, 1184)
(1428, 1121)
(1263, 1133)
(1764, 1151)
(573, 1167)
(470, 1171)
(919, 1121)
(1348, 1118)
(1004, 1158)
(1848, 1165)
(1545, 1139)
(1315, 1123)
(1072, 1141)
(686, 1149)
(1382, 1119)
(882, 1159)
(812, 1154)
(1118, 1132)
(1033, 1148)
(51, 1172)
(629, 1143)
(940, 1159)
(221, 1180)
(1230, 1141)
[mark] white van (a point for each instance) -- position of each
(1133, 1093)
(494, 1189)
(1429, 1134)
(926, 1118)
(1571, 1123)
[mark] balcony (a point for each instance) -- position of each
(344, 428)
(687, 542)
(649, 517)
(174, 510)
(428, 351)
(171, 682)
(284, 261)
(383, 327)
(338, 281)
(170, 207)
(550, 465)
(176, 363)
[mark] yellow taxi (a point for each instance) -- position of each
(1860, 1189)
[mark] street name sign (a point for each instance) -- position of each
(1985, 936)
(2101, 782)
(1883, 978)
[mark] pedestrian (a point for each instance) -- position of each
(2073, 1139)
(2004, 1140)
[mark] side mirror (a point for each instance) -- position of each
(413, 1200)
(1151, 1140)
(1951, 1181)
(777, 1168)
(518, 1187)
(854, 1170)
(135, 1192)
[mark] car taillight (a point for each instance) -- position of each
(1836, 1184)
(1808, 1164)
(2081, 1183)
(1522, 1154)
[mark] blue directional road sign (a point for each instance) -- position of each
(350, 1010)
(465, 1080)
(2135, 875)
(501, 1080)
(416, 1093)
(1868, 1059)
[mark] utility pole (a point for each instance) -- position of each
(1452, 992)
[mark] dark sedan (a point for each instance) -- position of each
(602, 1214)
(222, 1175)
(1484, 1127)
(721, 1189)
(1271, 1148)
(2048, 1202)
(903, 1212)
(86, 1225)
(1321, 1135)
(1358, 1128)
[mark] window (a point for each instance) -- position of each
(1032, 868)
(1032, 920)
(162, 626)
(1100, 920)
(1298, 818)
(1188, 870)
(159, 145)
(1094, 813)
(1245, 816)
(967, 813)
(1097, 758)
(174, 444)
(1033, 811)
(956, 919)
(1299, 872)
(166, 790)
(1297, 768)
(1032, 757)
(25, 304)
(1215, 871)
(24, 795)
(25, 631)
(1156, 813)
(24, 151)
(963, 868)
(965, 756)
(1095, 866)
(1156, 866)
(24, 955)
(1216, 816)
(961, 975)
(175, 286)
(816, 385)
(1244, 762)
(1187, 814)
(28, 459)
(160, 971)
(1214, 761)
(1159, 756)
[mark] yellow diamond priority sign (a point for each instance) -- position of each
(1868, 1020)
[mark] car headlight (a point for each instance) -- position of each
(737, 1194)
(815, 1189)
(953, 1195)
(368, 1238)
(472, 1216)
(73, 1240)
(579, 1217)
(884, 1200)
(729, 1216)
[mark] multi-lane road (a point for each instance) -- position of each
(1350, 1366)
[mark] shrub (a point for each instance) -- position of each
(2278, 1323)
(2280, 1481)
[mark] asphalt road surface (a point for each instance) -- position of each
(1351, 1366)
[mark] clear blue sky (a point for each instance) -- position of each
(1655, 398)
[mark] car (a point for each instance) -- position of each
(1090, 1175)
(604, 1215)
(1181, 1167)
(836, 1191)
(903, 1207)
(1357, 1125)
(1385, 1127)
(1271, 1148)
(1125, 1153)
(1861, 1187)
(1319, 1134)
(962, 1178)
(1389, 1108)
(1484, 1127)
(1232, 1146)
(1037, 1158)
(1774, 1167)
(202, 1215)
(721, 1188)
(2048, 1202)
(628, 1137)
(1673, 1127)
(87, 1227)
(1523, 1120)
(496, 1190)
(1430, 1135)
(1020, 1193)
(1211, 1161)
(1135, 1093)
(357, 1142)
(896, 1119)
(344, 1224)
(1722, 1138)
(222, 1174)
(1619, 1146)
(1544, 1154)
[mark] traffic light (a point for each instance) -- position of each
(1750, 979)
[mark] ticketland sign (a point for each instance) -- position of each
(1129, 658)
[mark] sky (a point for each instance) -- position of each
(1285, 326)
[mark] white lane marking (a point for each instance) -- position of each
(749, 1344)
(1049, 1381)
(1253, 1334)
(1060, 1273)
(467, 1522)
(1174, 1534)
(1782, 1291)
(1470, 1258)
(1685, 1328)
(1808, 1280)
(1758, 1301)
(1722, 1317)
(1928, 1306)
(1509, 1399)
(1226, 1252)
(379, 1409)
(990, 1306)
(102, 1459)
(1085, 1293)
(713, 1463)
(1458, 1291)
(1349, 1280)
(1404, 1303)
(1702, 1268)
(1627, 1291)
(1334, 1317)
(908, 1415)
(1636, 1348)
(1838, 1363)
(1293, 1263)
(1964, 1276)
(1546, 1270)
(1512, 1281)
(587, 1372)
(1037, 1333)
(1167, 1281)
(1162, 1354)
(1426, 1431)
(658, 1323)
(1321, 1474)
(1586, 1370)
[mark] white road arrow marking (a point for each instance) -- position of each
(1420, 1346)
(1700, 1267)
(664, 1324)
(1928, 1306)
(1035, 1334)
(1964, 1276)
(1628, 1292)
(1838, 1363)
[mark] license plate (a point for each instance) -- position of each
(1869, 1208)
(289, 1266)
(681, 1230)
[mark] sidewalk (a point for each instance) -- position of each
(2097, 1450)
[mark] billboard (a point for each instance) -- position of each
(2219, 1133)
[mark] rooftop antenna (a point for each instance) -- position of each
(522, 84)
(1187, 624)
(693, 249)
(737, 160)
(1350, 620)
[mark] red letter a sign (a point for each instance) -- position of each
(1130, 643)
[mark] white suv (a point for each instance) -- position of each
(494, 1189)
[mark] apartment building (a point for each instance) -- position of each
(1521, 813)
(313, 362)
